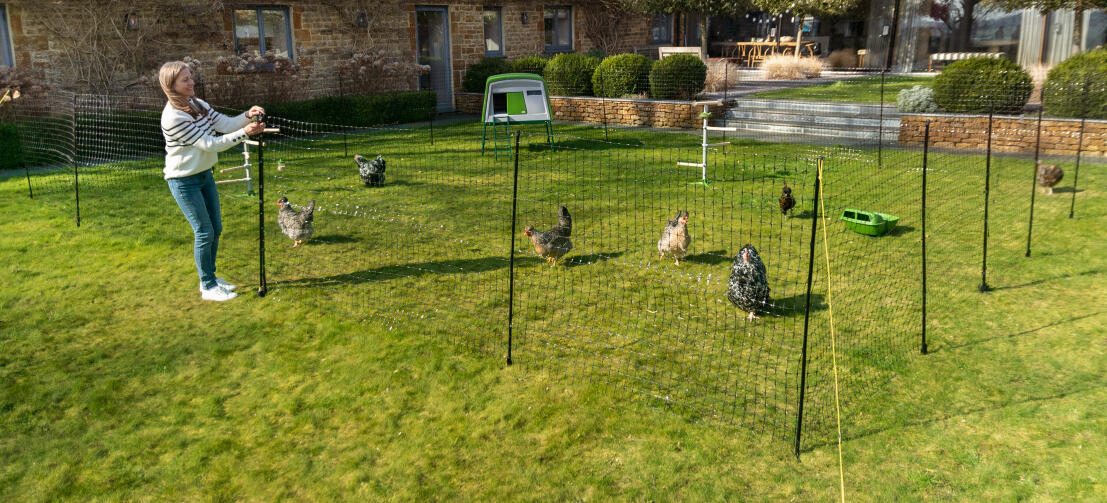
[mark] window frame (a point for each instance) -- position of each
(261, 27)
(668, 30)
(553, 49)
(500, 20)
(7, 49)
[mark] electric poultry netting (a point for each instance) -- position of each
(419, 238)
(422, 238)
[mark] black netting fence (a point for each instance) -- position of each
(619, 254)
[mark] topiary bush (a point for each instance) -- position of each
(677, 77)
(570, 74)
(974, 85)
(917, 99)
(478, 73)
(1064, 92)
(621, 75)
(531, 64)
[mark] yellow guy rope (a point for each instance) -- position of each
(833, 336)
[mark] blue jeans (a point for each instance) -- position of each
(199, 201)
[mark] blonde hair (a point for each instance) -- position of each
(167, 75)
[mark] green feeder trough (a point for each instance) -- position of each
(869, 223)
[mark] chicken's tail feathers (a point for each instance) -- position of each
(309, 211)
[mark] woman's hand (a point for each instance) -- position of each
(254, 128)
(254, 111)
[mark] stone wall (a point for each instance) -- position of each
(623, 112)
(1009, 134)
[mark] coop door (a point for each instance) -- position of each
(508, 103)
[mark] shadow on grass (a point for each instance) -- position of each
(586, 144)
(797, 303)
(1047, 280)
(948, 417)
(456, 266)
(1065, 190)
(900, 230)
(1065, 321)
(333, 239)
(390, 272)
(591, 258)
(713, 257)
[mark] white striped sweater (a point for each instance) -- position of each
(192, 145)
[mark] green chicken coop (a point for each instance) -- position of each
(514, 98)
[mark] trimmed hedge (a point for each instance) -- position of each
(11, 155)
(477, 73)
(570, 74)
(530, 64)
(1063, 94)
(357, 111)
(677, 77)
(621, 75)
(973, 85)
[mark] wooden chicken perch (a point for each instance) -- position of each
(703, 158)
(248, 178)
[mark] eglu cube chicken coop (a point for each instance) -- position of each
(514, 98)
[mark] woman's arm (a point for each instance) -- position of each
(223, 123)
(180, 130)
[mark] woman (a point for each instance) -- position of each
(190, 128)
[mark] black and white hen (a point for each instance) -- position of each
(748, 287)
(371, 172)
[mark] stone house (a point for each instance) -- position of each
(107, 45)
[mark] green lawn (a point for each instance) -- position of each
(858, 90)
(374, 369)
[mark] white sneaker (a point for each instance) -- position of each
(220, 282)
(217, 293)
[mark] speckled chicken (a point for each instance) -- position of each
(1048, 176)
(554, 243)
(787, 202)
(748, 287)
(371, 172)
(675, 239)
(297, 225)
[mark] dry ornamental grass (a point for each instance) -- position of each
(786, 67)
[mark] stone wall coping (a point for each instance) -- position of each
(1024, 117)
(593, 98)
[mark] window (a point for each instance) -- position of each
(6, 56)
(661, 31)
(261, 30)
(493, 32)
(558, 27)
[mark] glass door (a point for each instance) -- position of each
(432, 45)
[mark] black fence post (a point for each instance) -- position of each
(73, 159)
(987, 187)
(263, 287)
(807, 308)
(1034, 182)
(27, 172)
(511, 260)
(926, 155)
(431, 123)
(1079, 146)
(880, 125)
(345, 142)
(603, 102)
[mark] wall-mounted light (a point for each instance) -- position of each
(362, 19)
(523, 18)
(131, 21)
